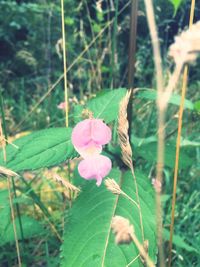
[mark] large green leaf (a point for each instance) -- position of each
(104, 106)
(88, 239)
(175, 99)
(43, 148)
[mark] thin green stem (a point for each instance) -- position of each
(3, 115)
(42, 207)
(12, 178)
(18, 213)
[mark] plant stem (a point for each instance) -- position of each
(12, 179)
(3, 115)
(132, 42)
(142, 251)
(184, 87)
(18, 212)
(13, 222)
(64, 65)
(114, 45)
(138, 202)
(160, 121)
(131, 59)
(42, 207)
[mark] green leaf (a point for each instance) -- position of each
(197, 106)
(106, 105)
(43, 148)
(88, 236)
(149, 151)
(186, 142)
(4, 211)
(31, 228)
(175, 99)
(179, 242)
(176, 4)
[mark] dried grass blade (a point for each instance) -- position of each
(66, 183)
(123, 126)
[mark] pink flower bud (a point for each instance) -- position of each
(62, 105)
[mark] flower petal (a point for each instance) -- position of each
(100, 132)
(89, 151)
(95, 168)
(62, 105)
(81, 134)
(90, 132)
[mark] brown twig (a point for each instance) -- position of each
(160, 121)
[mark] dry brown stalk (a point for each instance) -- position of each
(124, 233)
(191, 37)
(160, 121)
(66, 183)
(184, 50)
(113, 187)
(132, 261)
(7, 172)
(13, 219)
(123, 126)
(3, 142)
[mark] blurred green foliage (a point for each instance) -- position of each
(30, 63)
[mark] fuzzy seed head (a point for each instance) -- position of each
(122, 229)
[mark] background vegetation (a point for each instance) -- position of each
(30, 64)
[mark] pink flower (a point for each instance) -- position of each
(91, 133)
(88, 137)
(62, 105)
(96, 167)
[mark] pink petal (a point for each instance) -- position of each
(81, 134)
(100, 132)
(90, 132)
(62, 105)
(95, 168)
